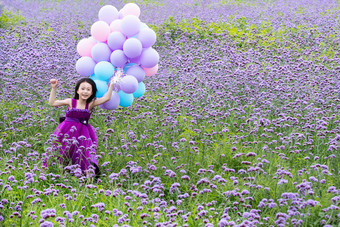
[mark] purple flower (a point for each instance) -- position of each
(48, 213)
(282, 181)
(185, 177)
(46, 224)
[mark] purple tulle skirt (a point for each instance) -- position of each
(75, 140)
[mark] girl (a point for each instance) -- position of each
(76, 140)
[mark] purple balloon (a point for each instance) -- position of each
(116, 40)
(102, 106)
(147, 37)
(135, 60)
(128, 84)
(118, 58)
(100, 52)
(132, 48)
(108, 13)
(136, 71)
(85, 66)
(143, 25)
(130, 25)
(113, 103)
(120, 14)
(149, 58)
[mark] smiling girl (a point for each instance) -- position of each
(76, 140)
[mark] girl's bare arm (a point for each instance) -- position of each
(103, 99)
(53, 93)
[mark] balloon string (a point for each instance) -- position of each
(117, 77)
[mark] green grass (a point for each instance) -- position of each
(247, 36)
(10, 19)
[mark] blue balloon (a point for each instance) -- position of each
(127, 66)
(104, 70)
(125, 99)
(140, 90)
(101, 88)
(94, 77)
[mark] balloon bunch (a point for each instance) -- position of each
(119, 51)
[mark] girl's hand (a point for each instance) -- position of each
(111, 83)
(54, 83)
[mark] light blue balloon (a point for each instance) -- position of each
(93, 77)
(127, 66)
(104, 70)
(140, 90)
(125, 99)
(101, 88)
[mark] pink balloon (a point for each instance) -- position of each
(115, 26)
(131, 9)
(100, 30)
(151, 71)
(84, 47)
(93, 39)
(108, 13)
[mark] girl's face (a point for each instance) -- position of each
(84, 91)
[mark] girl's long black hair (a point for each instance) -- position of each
(93, 85)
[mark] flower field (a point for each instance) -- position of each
(239, 127)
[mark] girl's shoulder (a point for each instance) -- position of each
(69, 102)
(91, 106)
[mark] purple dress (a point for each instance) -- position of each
(76, 140)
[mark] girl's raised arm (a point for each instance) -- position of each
(103, 99)
(52, 100)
